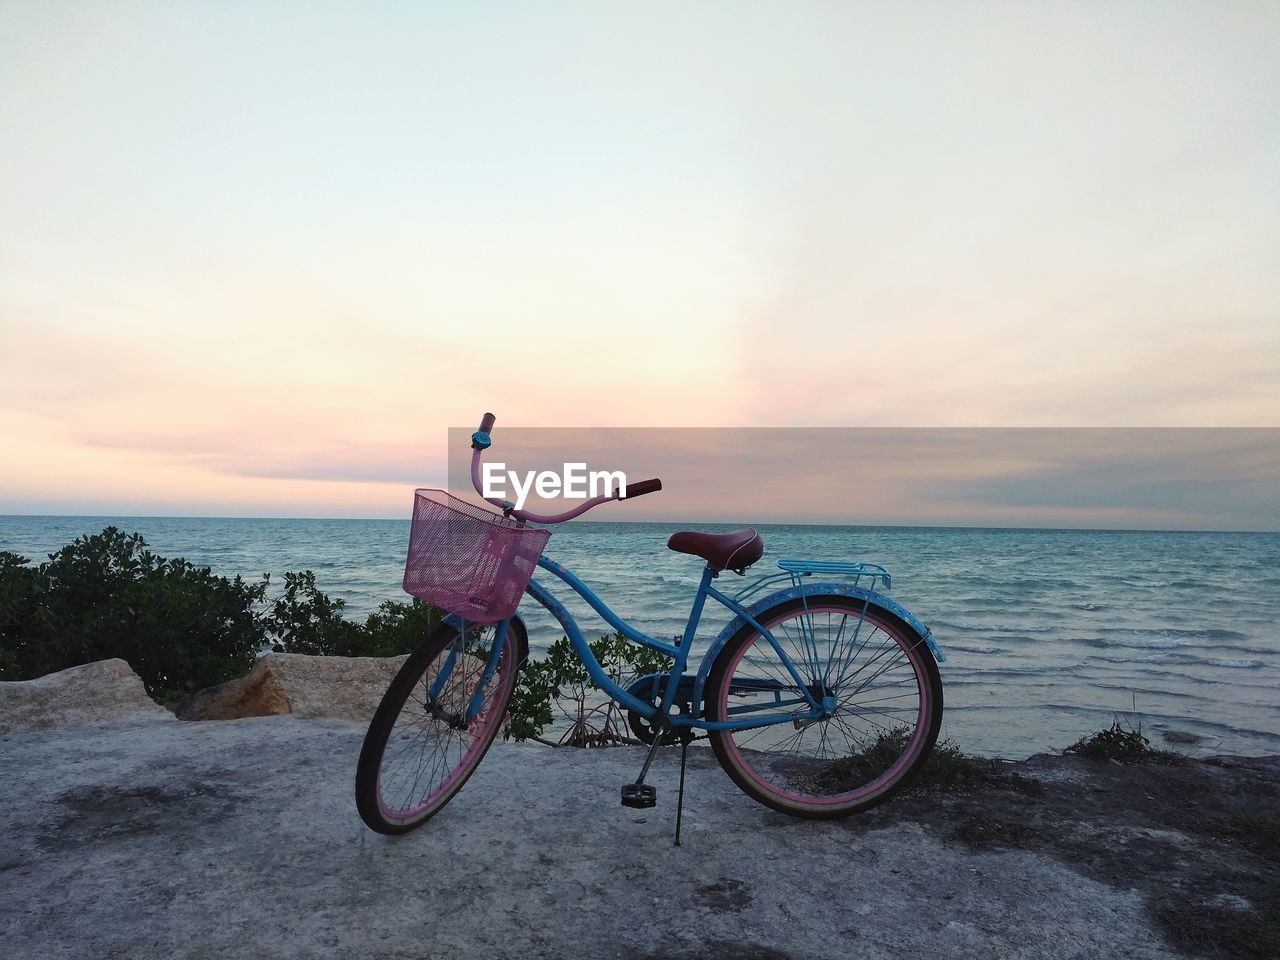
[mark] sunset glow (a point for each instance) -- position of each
(256, 260)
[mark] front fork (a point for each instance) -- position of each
(451, 661)
(495, 654)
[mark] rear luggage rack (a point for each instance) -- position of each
(869, 575)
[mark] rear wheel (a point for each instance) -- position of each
(431, 729)
(881, 699)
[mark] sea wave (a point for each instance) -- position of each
(989, 628)
(1174, 658)
(978, 651)
(1168, 638)
(1237, 664)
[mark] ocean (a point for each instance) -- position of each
(1050, 634)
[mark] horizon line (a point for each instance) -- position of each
(652, 522)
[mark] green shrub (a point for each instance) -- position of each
(396, 628)
(106, 595)
(560, 683)
(304, 619)
(530, 711)
(20, 587)
(179, 626)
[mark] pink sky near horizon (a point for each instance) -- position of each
(257, 263)
(1099, 478)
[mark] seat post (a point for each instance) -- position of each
(709, 573)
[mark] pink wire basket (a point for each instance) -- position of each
(468, 560)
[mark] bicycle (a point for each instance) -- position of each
(821, 698)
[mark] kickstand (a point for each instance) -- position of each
(684, 753)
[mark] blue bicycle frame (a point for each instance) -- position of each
(803, 704)
(680, 652)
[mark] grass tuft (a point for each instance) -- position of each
(946, 768)
(1124, 744)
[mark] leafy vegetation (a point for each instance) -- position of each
(106, 595)
(1124, 744)
(946, 766)
(179, 626)
(303, 619)
(559, 685)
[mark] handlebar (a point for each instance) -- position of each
(480, 441)
(640, 489)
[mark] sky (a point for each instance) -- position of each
(1100, 478)
(256, 258)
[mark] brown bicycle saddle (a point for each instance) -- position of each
(724, 551)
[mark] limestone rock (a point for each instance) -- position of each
(107, 691)
(347, 688)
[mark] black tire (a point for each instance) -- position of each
(436, 725)
(818, 786)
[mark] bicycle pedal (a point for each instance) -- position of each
(639, 795)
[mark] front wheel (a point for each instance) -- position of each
(879, 699)
(435, 723)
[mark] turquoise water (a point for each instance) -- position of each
(1050, 633)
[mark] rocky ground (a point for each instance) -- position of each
(150, 837)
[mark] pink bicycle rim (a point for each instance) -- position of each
(864, 791)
